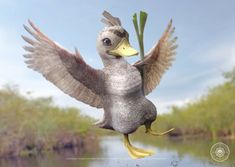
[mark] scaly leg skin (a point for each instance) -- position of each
(134, 152)
(150, 131)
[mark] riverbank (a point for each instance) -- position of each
(30, 126)
(193, 153)
(210, 116)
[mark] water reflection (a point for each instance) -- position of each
(169, 153)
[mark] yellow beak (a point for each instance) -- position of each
(123, 49)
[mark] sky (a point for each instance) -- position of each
(205, 30)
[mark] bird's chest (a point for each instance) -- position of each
(122, 80)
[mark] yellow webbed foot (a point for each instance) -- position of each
(150, 131)
(134, 152)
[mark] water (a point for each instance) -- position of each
(169, 153)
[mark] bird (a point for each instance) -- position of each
(118, 88)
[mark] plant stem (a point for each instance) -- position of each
(140, 36)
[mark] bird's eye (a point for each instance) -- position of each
(107, 42)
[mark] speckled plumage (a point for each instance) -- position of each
(126, 107)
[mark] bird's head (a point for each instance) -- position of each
(113, 41)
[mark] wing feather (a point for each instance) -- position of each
(158, 60)
(66, 70)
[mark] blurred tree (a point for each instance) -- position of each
(230, 76)
(213, 114)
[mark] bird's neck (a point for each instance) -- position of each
(113, 61)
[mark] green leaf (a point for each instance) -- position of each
(139, 29)
(135, 22)
(143, 18)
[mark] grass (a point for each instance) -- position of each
(36, 124)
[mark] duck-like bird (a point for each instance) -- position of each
(119, 88)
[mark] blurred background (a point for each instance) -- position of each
(41, 126)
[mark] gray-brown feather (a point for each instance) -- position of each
(158, 60)
(110, 20)
(54, 63)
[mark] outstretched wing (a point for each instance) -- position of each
(66, 70)
(158, 60)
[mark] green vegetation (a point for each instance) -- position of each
(213, 115)
(139, 29)
(29, 126)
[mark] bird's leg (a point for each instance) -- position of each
(134, 152)
(150, 131)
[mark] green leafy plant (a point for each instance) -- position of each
(139, 29)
